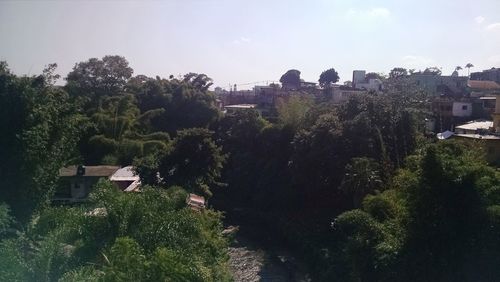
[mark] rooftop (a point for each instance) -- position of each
(241, 106)
(483, 85)
(124, 174)
(90, 171)
(475, 125)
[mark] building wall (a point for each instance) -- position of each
(462, 109)
(340, 96)
(491, 74)
(358, 76)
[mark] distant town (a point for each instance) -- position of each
(462, 106)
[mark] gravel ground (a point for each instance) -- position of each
(250, 263)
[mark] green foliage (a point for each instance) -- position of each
(362, 176)
(194, 162)
(126, 261)
(293, 111)
(328, 77)
(436, 223)
(398, 73)
(6, 219)
(291, 79)
(40, 127)
(96, 78)
(119, 236)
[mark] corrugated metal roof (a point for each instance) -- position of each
(475, 125)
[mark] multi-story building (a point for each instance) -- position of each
(492, 74)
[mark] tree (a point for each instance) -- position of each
(455, 72)
(292, 112)
(96, 78)
(328, 77)
(195, 161)
(374, 75)
(40, 127)
(186, 103)
(291, 79)
(362, 176)
(432, 71)
(398, 72)
(468, 66)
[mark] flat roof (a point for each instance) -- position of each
(125, 174)
(483, 84)
(241, 106)
(479, 136)
(475, 125)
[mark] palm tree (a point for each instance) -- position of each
(468, 66)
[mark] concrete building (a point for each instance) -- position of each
(360, 81)
(76, 182)
(342, 94)
(461, 109)
(492, 74)
(489, 138)
(439, 85)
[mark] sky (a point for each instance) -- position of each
(243, 42)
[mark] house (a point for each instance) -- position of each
(474, 127)
(482, 88)
(76, 182)
(461, 109)
(240, 107)
(484, 134)
(441, 85)
(492, 74)
(359, 81)
(342, 94)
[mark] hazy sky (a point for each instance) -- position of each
(248, 41)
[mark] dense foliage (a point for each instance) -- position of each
(355, 189)
(116, 236)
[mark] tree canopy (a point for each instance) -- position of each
(328, 77)
(291, 79)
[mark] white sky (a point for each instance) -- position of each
(246, 41)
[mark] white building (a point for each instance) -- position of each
(462, 109)
(359, 81)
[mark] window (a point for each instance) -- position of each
(464, 107)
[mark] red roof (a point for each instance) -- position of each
(483, 84)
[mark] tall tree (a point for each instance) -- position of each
(96, 78)
(468, 66)
(398, 72)
(195, 161)
(40, 127)
(432, 70)
(374, 75)
(291, 79)
(328, 77)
